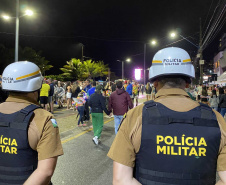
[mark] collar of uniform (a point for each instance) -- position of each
(21, 99)
(170, 92)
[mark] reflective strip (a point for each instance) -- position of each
(188, 176)
(28, 78)
(16, 169)
(4, 124)
(149, 182)
(187, 60)
(12, 178)
(31, 74)
(156, 61)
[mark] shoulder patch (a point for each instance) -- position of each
(54, 122)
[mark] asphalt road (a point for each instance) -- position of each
(83, 163)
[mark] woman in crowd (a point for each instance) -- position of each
(80, 107)
(148, 91)
(97, 104)
(68, 94)
(136, 92)
(60, 93)
(75, 91)
(214, 100)
(204, 95)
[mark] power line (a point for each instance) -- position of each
(72, 37)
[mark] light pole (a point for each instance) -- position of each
(127, 60)
(153, 42)
(28, 13)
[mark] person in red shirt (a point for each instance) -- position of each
(119, 101)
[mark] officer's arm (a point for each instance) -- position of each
(42, 175)
(123, 175)
(222, 175)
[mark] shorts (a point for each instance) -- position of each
(50, 99)
(68, 95)
(43, 100)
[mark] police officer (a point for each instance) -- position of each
(172, 140)
(29, 136)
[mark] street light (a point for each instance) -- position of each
(127, 60)
(6, 17)
(174, 34)
(27, 13)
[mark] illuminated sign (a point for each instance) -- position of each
(137, 74)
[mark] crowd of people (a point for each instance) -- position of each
(91, 98)
(177, 138)
(212, 95)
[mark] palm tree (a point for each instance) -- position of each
(73, 69)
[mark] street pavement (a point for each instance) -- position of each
(83, 163)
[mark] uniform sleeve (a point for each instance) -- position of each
(49, 144)
(221, 161)
(122, 149)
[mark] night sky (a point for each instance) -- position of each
(110, 30)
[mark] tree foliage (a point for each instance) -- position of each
(27, 53)
(30, 54)
(75, 69)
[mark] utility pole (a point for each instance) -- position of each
(17, 30)
(144, 63)
(200, 52)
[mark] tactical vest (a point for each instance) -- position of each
(17, 159)
(177, 148)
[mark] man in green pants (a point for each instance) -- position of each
(97, 104)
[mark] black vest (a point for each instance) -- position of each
(177, 148)
(17, 159)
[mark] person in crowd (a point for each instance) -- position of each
(68, 94)
(214, 100)
(129, 89)
(142, 88)
(125, 85)
(60, 93)
(148, 91)
(159, 142)
(136, 93)
(80, 105)
(222, 103)
(97, 104)
(189, 92)
(113, 88)
(220, 93)
(119, 101)
(75, 91)
(31, 135)
(204, 95)
(51, 93)
(209, 91)
(44, 93)
(87, 86)
(92, 90)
